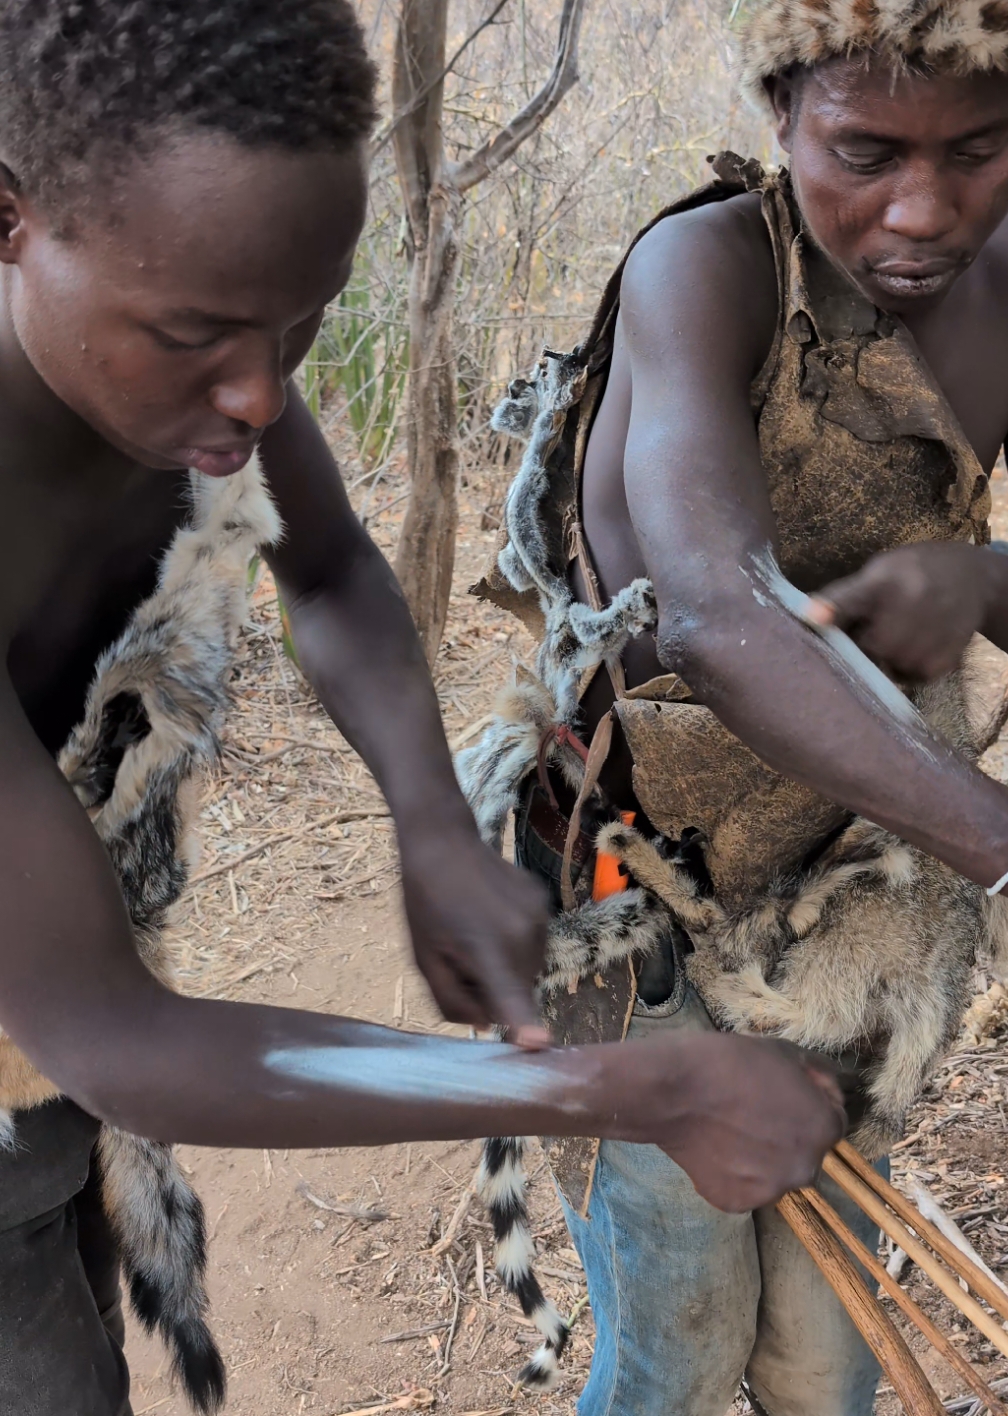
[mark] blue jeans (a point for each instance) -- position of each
(688, 1300)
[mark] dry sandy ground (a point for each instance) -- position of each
(292, 906)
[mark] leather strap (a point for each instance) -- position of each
(597, 754)
(562, 734)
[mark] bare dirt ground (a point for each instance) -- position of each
(327, 1294)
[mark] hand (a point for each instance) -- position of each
(915, 609)
(479, 931)
(751, 1118)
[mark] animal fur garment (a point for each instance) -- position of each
(152, 719)
(958, 36)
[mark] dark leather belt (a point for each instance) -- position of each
(551, 826)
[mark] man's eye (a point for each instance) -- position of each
(976, 157)
(864, 161)
(169, 341)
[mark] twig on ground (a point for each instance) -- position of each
(417, 1400)
(446, 1364)
(454, 1224)
(337, 818)
(411, 1333)
(932, 1210)
(362, 1213)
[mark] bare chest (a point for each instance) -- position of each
(85, 566)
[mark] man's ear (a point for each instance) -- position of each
(12, 217)
(781, 91)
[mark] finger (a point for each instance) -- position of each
(825, 1074)
(510, 1001)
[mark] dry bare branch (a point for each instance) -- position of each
(382, 138)
(563, 77)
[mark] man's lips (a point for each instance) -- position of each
(916, 277)
(217, 461)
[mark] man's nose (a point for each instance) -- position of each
(255, 397)
(921, 209)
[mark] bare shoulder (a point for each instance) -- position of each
(705, 272)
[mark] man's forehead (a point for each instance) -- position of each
(879, 100)
(209, 241)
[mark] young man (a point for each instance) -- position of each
(181, 191)
(787, 376)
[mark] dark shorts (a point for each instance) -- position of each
(61, 1322)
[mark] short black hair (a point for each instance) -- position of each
(82, 80)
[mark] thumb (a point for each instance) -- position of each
(844, 602)
(828, 1084)
(820, 611)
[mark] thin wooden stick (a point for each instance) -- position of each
(981, 1283)
(898, 1362)
(905, 1303)
(869, 1201)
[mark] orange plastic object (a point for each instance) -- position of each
(610, 877)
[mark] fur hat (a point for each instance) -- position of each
(960, 36)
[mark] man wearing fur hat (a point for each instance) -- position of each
(788, 376)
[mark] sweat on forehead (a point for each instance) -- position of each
(945, 36)
(89, 80)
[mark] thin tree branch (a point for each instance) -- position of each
(383, 137)
(563, 77)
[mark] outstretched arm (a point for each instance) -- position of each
(694, 315)
(478, 926)
(744, 1117)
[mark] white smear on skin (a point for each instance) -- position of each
(450, 1072)
(865, 678)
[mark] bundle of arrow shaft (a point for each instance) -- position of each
(828, 1240)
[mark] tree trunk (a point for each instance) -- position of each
(425, 558)
(426, 555)
(432, 188)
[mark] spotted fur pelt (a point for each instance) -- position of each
(871, 951)
(152, 719)
(960, 36)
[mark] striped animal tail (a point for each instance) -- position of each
(502, 1185)
(158, 1221)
